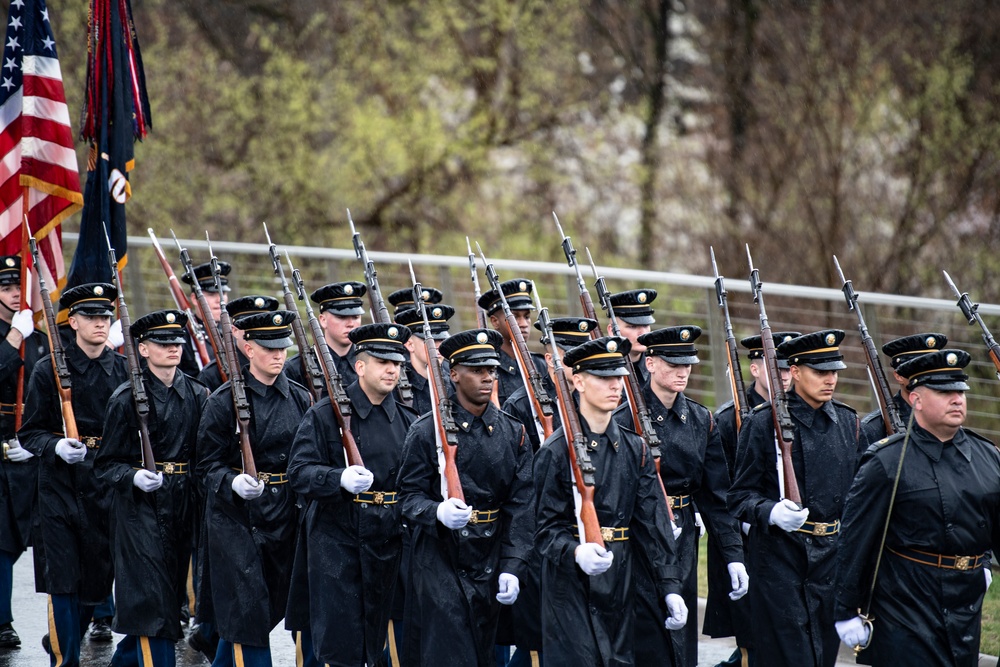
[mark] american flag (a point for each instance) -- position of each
(36, 140)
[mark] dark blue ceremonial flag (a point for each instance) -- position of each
(116, 114)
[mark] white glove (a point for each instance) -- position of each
(246, 487)
(71, 450)
(593, 559)
(986, 570)
(785, 516)
(509, 588)
(853, 631)
(678, 612)
(17, 453)
(676, 530)
(356, 479)
(147, 481)
(115, 336)
(700, 524)
(453, 513)
(739, 579)
(745, 527)
(23, 321)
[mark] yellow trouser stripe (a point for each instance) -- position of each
(744, 659)
(238, 655)
(534, 659)
(393, 651)
(299, 661)
(190, 588)
(147, 653)
(54, 636)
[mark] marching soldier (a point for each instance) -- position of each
(245, 305)
(899, 351)
(518, 293)
(568, 332)
(694, 473)
(794, 559)
(152, 512)
(353, 528)
(73, 508)
(19, 467)
(634, 313)
(251, 522)
(587, 591)
(725, 617)
(416, 369)
(466, 558)
(206, 281)
(340, 311)
(940, 482)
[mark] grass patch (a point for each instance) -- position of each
(991, 604)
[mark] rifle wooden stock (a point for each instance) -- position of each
(641, 420)
(585, 301)
(241, 404)
(541, 402)
(58, 355)
(182, 303)
(339, 403)
(380, 313)
(445, 428)
(205, 311)
(576, 443)
(139, 396)
(890, 415)
(736, 386)
(784, 431)
(310, 368)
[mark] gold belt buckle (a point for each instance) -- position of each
(963, 562)
(378, 497)
(6, 447)
(168, 468)
(474, 519)
(90, 442)
(264, 477)
(607, 534)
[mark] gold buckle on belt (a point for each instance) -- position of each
(607, 534)
(264, 477)
(378, 497)
(824, 528)
(963, 562)
(168, 468)
(474, 519)
(92, 442)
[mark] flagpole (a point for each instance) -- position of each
(25, 268)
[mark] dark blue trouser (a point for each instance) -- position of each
(304, 656)
(241, 655)
(105, 610)
(68, 620)
(144, 652)
(526, 658)
(7, 560)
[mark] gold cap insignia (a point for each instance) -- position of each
(437, 312)
(641, 298)
(276, 319)
(393, 332)
(481, 337)
(830, 339)
(258, 302)
(523, 286)
(10, 262)
(612, 346)
(583, 326)
(348, 289)
(931, 341)
(685, 334)
(99, 291)
(171, 318)
(952, 359)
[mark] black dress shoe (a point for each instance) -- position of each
(100, 631)
(9, 638)
(199, 642)
(46, 644)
